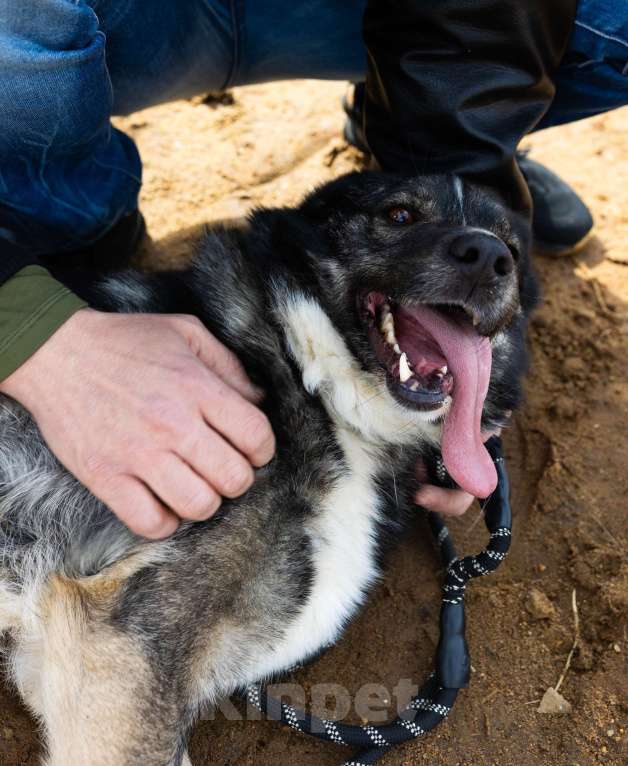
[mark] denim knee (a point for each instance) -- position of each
(65, 175)
(55, 93)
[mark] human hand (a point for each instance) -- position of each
(150, 412)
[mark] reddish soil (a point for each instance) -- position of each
(567, 452)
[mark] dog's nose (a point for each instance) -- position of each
(481, 256)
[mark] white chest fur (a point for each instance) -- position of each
(343, 532)
(343, 538)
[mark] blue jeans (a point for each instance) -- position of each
(66, 175)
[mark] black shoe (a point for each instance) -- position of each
(561, 221)
(112, 252)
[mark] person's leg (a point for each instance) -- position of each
(318, 39)
(68, 180)
(66, 177)
(161, 50)
(593, 76)
(323, 39)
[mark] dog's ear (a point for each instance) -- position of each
(285, 238)
(342, 195)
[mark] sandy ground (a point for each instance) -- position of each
(207, 160)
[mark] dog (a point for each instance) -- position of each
(385, 317)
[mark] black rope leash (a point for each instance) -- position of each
(438, 694)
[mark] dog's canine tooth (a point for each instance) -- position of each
(387, 323)
(414, 386)
(387, 328)
(405, 373)
(390, 338)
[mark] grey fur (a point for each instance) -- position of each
(49, 522)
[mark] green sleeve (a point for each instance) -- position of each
(33, 305)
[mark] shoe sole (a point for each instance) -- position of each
(562, 251)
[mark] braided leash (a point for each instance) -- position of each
(438, 694)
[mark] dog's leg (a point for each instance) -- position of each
(101, 700)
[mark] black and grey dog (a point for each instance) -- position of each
(384, 317)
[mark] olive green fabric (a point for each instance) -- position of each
(33, 305)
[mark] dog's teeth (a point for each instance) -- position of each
(387, 317)
(387, 327)
(405, 373)
(414, 386)
(387, 322)
(443, 369)
(476, 320)
(397, 349)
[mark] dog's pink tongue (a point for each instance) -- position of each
(464, 454)
(469, 360)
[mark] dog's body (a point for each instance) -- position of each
(117, 642)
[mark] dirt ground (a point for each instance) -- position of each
(568, 451)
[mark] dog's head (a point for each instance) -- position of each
(428, 283)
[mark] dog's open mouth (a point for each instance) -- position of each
(433, 357)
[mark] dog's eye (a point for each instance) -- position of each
(400, 215)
